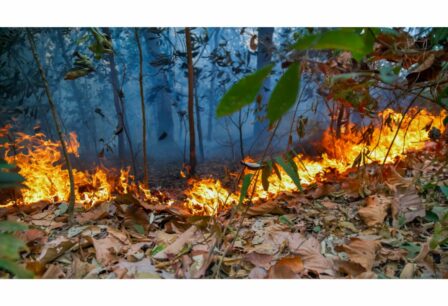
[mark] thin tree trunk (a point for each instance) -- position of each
(240, 134)
(199, 125)
(142, 100)
(118, 108)
(191, 102)
(57, 124)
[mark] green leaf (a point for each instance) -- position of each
(285, 93)
(265, 173)
(244, 187)
(445, 121)
(10, 178)
(158, 248)
(62, 209)
(412, 248)
(10, 247)
(290, 171)
(285, 220)
(139, 229)
(242, 92)
(340, 39)
(11, 227)
(444, 189)
(15, 268)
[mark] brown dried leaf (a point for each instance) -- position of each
(54, 272)
(362, 252)
(259, 260)
(107, 249)
(313, 260)
(54, 249)
(258, 273)
(286, 268)
(375, 210)
(187, 237)
(269, 207)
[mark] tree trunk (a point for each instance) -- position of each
(191, 102)
(117, 104)
(58, 125)
(264, 56)
(198, 124)
(142, 104)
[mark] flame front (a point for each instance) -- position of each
(41, 163)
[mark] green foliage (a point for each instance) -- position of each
(244, 187)
(359, 44)
(289, 169)
(10, 248)
(285, 93)
(102, 44)
(82, 67)
(9, 179)
(242, 92)
(440, 235)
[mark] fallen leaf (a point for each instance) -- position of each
(80, 268)
(312, 259)
(140, 269)
(407, 205)
(107, 249)
(96, 213)
(54, 249)
(259, 260)
(54, 272)
(286, 268)
(375, 210)
(362, 252)
(408, 271)
(270, 207)
(187, 237)
(258, 273)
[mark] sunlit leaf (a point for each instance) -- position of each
(290, 171)
(242, 92)
(285, 93)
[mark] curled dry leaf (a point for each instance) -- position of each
(287, 267)
(54, 249)
(408, 270)
(54, 272)
(375, 210)
(96, 213)
(362, 252)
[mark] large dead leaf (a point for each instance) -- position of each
(54, 272)
(259, 260)
(407, 205)
(269, 207)
(54, 249)
(287, 267)
(312, 259)
(107, 249)
(375, 210)
(96, 213)
(187, 237)
(362, 252)
(140, 269)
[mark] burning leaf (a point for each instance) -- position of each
(375, 210)
(287, 267)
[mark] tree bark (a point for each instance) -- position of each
(58, 125)
(198, 124)
(142, 104)
(191, 102)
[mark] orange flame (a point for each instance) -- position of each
(40, 161)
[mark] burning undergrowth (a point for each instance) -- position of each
(385, 140)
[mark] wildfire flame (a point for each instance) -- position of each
(40, 161)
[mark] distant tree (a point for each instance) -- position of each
(191, 101)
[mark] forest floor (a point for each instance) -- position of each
(371, 222)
